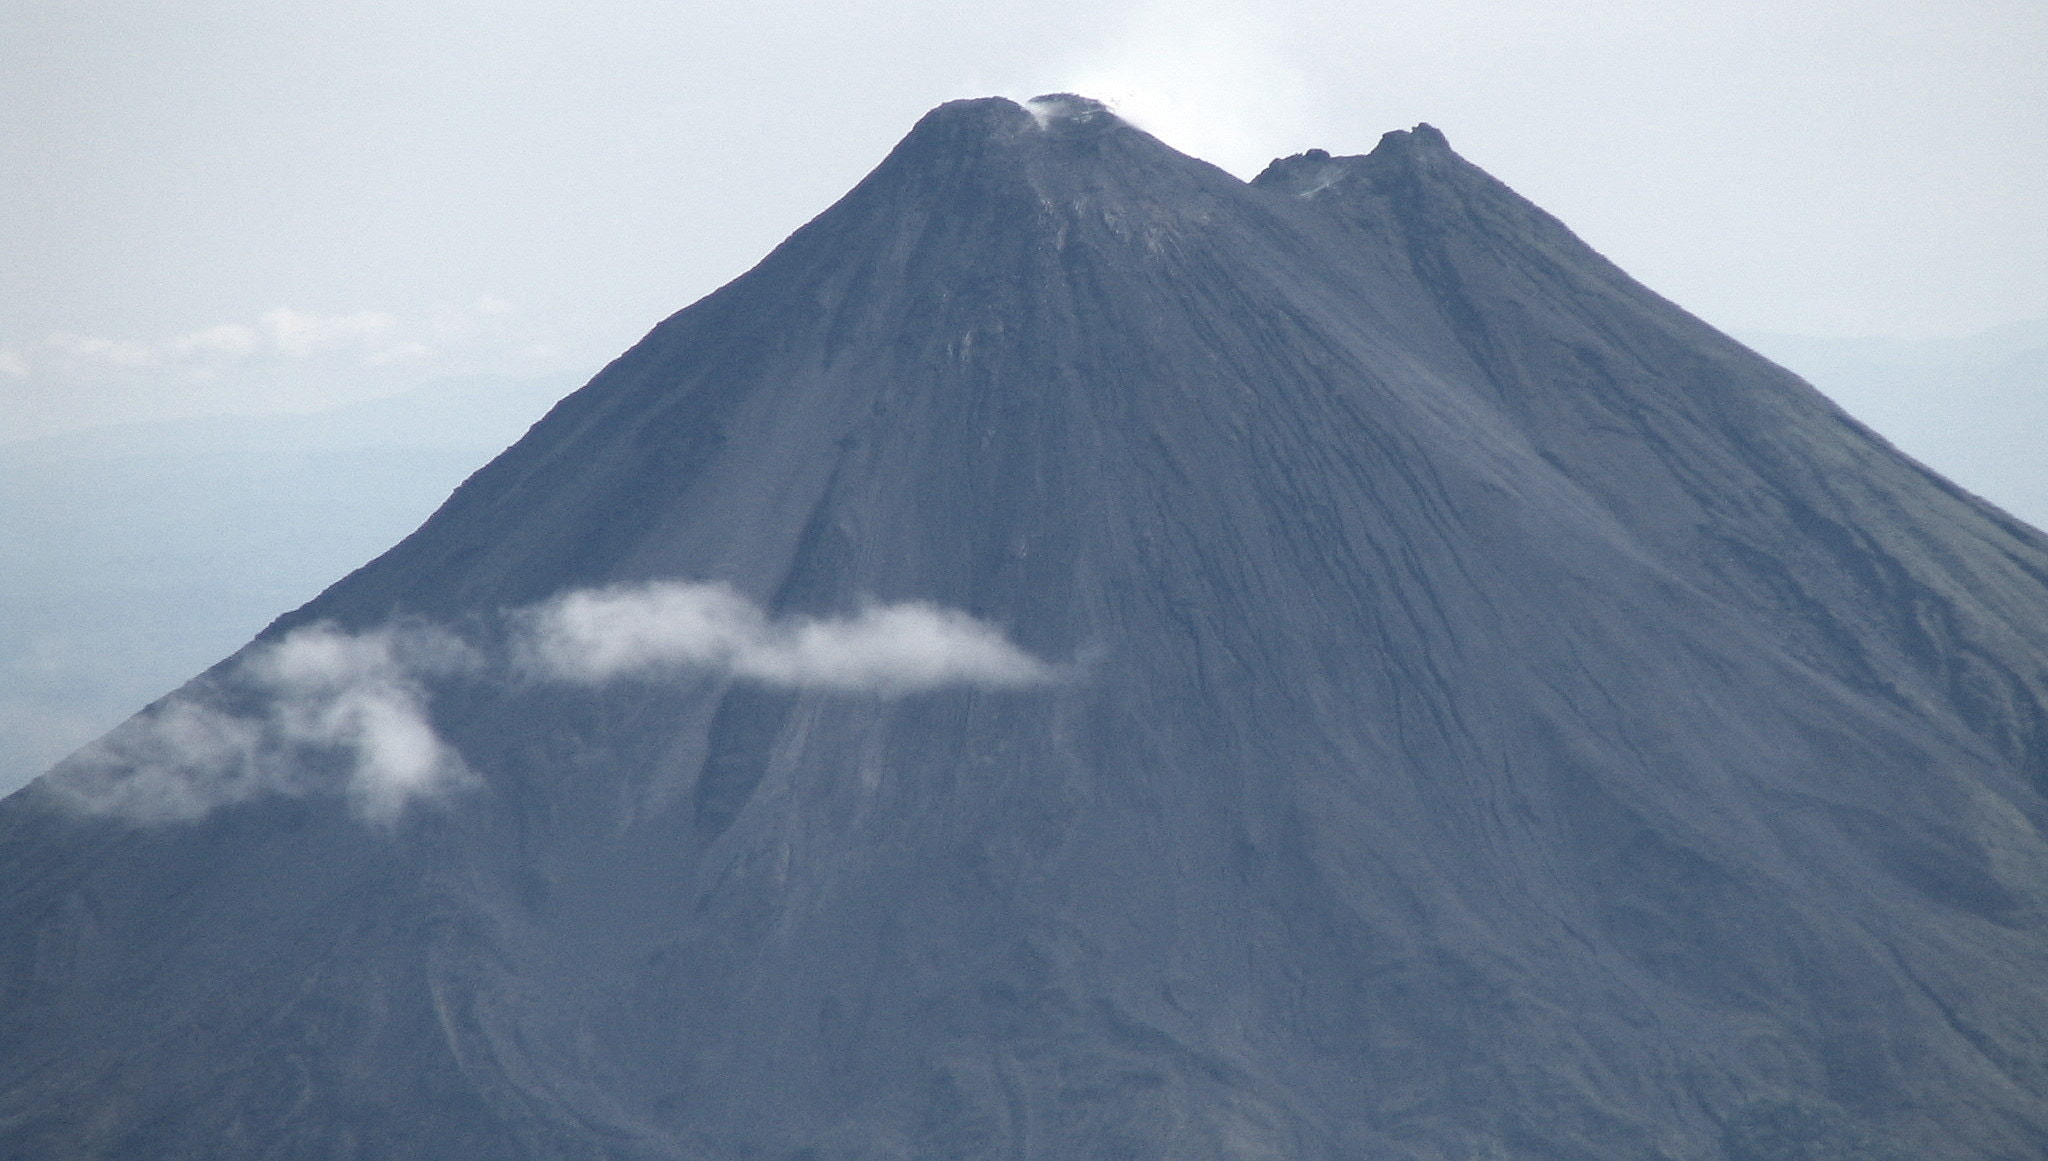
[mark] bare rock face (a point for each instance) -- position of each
(1077, 656)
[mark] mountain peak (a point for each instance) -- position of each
(1315, 170)
(998, 138)
(1423, 136)
(968, 124)
(1071, 111)
(982, 119)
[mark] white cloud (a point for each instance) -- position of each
(318, 699)
(89, 349)
(360, 694)
(327, 711)
(174, 764)
(599, 634)
(283, 361)
(368, 336)
(890, 649)
(660, 628)
(232, 340)
(299, 335)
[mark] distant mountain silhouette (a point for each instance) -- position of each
(1079, 656)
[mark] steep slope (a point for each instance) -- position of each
(1728, 469)
(1491, 715)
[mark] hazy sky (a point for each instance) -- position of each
(237, 204)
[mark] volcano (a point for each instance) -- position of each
(1077, 655)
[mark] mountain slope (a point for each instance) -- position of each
(1486, 713)
(1967, 405)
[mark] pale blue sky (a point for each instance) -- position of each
(214, 205)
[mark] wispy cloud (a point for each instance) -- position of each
(328, 711)
(282, 360)
(282, 333)
(232, 340)
(174, 763)
(661, 628)
(105, 352)
(361, 695)
(300, 335)
(320, 709)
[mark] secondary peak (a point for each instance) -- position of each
(1423, 136)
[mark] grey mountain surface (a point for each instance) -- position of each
(1973, 406)
(1497, 716)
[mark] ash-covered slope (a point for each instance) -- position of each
(1426, 697)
